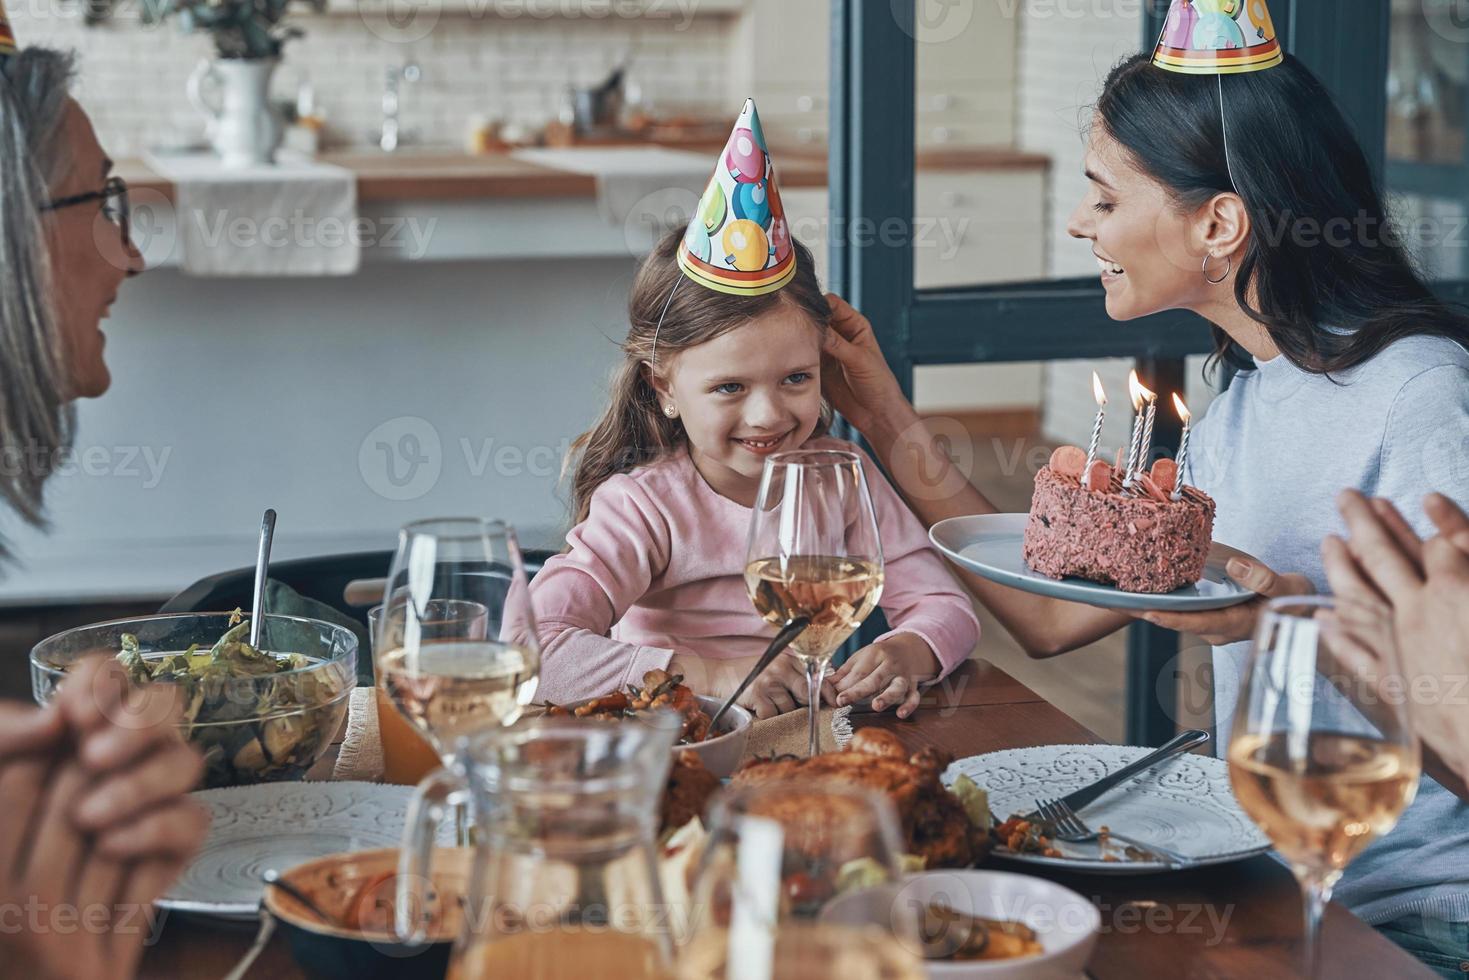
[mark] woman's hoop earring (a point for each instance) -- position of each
(1228, 266)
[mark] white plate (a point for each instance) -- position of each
(1066, 923)
(1184, 804)
(989, 545)
(279, 825)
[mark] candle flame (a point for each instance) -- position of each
(1140, 393)
(1182, 409)
(1097, 392)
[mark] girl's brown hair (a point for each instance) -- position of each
(632, 429)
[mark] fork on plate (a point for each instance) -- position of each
(1068, 827)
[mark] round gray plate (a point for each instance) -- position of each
(989, 545)
(277, 826)
(1184, 804)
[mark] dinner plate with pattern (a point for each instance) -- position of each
(1184, 804)
(277, 826)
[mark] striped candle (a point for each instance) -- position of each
(1091, 452)
(1182, 458)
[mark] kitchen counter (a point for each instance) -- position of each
(446, 175)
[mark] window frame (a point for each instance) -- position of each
(872, 163)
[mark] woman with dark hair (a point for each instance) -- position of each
(1245, 198)
(95, 822)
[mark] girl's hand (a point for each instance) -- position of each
(1220, 626)
(855, 377)
(890, 672)
(782, 687)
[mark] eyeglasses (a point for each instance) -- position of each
(114, 198)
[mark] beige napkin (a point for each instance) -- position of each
(788, 734)
(361, 755)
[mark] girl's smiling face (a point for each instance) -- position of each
(750, 392)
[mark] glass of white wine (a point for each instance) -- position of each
(456, 640)
(814, 551)
(1319, 758)
(796, 882)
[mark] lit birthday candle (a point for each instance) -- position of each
(1091, 452)
(1146, 447)
(1182, 456)
(1135, 390)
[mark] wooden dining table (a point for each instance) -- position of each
(1242, 919)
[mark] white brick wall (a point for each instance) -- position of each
(1066, 50)
(132, 77)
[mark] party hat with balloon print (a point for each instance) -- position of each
(1218, 37)
(7, 37)
(738, 241)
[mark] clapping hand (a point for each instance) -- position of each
(96, 823)
(1425, 587)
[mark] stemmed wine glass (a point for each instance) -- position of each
(1320, 760)
(456, 641)
(814, 551)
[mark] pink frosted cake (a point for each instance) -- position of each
(1140, 540)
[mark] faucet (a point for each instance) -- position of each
(391, 133)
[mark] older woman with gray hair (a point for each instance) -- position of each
(95, 822)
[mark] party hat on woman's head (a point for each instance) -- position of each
(7, 38)
(1218, 37)
(738, 241)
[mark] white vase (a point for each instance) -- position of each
(243, 128)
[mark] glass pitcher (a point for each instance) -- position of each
(565, 879)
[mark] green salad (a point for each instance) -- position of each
(256, 716)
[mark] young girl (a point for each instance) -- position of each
(663, 488)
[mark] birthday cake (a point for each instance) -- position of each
(1085, 523)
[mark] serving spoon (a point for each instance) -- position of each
(783, 639)
(262, 563)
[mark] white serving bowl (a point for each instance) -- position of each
(1065, 922)
(721, 751)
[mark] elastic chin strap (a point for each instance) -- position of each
(1228, 164)
(666, 304)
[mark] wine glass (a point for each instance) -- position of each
(1320, 761)
(407, 754)
(801, 881)
(456, 642)
(813, 551)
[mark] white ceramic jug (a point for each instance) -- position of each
(243, 128)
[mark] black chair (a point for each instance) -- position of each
(322, 578)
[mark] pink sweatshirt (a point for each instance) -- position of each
(658, 567)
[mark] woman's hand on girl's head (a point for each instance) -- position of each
(1218, 627)
(890, 672)
(855, 377)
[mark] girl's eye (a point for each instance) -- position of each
(798, 377)
(1105, 207)
(728, 388)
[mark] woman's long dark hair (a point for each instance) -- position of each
(1322, 252)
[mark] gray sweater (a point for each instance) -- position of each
(1273, 451)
